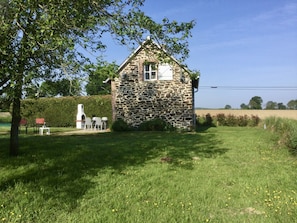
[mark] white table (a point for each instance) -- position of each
(47, 129)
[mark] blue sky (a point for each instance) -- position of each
(235, 44)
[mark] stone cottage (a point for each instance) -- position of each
(152, 84)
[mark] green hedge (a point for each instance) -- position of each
(61, 112)
(228, 120)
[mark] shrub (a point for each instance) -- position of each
(286, 131)
(156, 124)
(221, 119)
(199, 120)
(231, 120)
(292, 139)
(208, 120)
(120, 126)
(254, 121)
(243, 120)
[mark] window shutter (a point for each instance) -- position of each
(165, 72)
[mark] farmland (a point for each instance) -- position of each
(262, 114)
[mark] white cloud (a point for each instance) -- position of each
(284, 15)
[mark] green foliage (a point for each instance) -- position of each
(195, 74)
(97, 74)
(292, 104)
(286, 130)
(255, 102)
(271, 105)
(243, 120)
(230, 120)
(254, 120)
(281, 106)
(4, 104)
(228, 107)
(221, 119)
(62, 87)
(205, 121)
(156, 124)
(120, 126)
(61, 112)
(244, 106)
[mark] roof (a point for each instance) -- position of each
(148, 40)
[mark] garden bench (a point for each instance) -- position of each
(40, 123)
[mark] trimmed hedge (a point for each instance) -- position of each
(61, 112)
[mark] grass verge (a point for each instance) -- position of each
(223, 174)
(286, 131)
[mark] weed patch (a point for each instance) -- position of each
(286, 130)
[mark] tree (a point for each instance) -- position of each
(281, 106)
(271, 105)
(97, 75)
(38, 36)
(228, 107)
(4, 104)
(244, 106)
(68, 85)
(255, 102)
(292, 104)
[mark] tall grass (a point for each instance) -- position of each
(223, 174)
(286, 130)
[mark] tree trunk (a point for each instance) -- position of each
(16, 113)
(14, 130)
(17, 80)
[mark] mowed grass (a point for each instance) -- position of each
(223, 174)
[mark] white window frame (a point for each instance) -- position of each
(150, 71)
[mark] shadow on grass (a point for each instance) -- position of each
(204, 128)
(63, 166)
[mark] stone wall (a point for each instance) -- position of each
(136, 101)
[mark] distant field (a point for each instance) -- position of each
(262, 114)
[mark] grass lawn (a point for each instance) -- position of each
(223, 174)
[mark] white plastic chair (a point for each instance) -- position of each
(88, 123)
(98, 123)
(104, 122)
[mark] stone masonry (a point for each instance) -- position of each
(136, 100)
